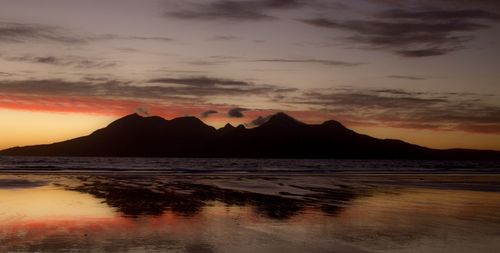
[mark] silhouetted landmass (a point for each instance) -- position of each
(280, 137)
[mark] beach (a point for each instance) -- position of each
(47, 211)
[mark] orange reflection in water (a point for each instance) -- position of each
(51, 219)
(50, 203)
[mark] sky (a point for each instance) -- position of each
(424, 71)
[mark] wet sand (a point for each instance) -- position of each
(249, 213)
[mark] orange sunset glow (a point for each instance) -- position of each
(17, 129)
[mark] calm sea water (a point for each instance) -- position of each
(199, 165)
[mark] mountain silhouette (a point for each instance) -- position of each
(280, 137)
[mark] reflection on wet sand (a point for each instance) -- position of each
(135, 197)
(185, 199)
(48, 202)
(245, 214)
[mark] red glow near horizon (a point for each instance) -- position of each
(121, 107)
(108, 109)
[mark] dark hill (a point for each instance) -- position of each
(280, 137)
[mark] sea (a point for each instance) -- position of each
(238, 166)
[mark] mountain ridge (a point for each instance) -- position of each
(281, 136)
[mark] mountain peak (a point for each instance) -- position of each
(190, 122)
(187, 119)
(333, 124)
(136, 121)
(131, 118)
(282, 119)
(228, 126)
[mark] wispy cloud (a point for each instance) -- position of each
(207, 114)
(236, 112)
(67, 61)
(248, 10)
(439, 14)
(218, 60)
(154, 38)
(405, 77)
(201, 81)
(412, 32)
(313, 61)
(407, 109)
(225, 37)
(456, 5)
(25, 32)
(20, 33)
(103, 37)
(189, 88)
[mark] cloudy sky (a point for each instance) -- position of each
(425, 71)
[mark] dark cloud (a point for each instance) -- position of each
(201, 81)
(225, 37)
(156, 38)
(104, 37)
(128, 50)
(314, 61)
(426, 52)
(192, 72)
(71, 61)
(397, 92)
(22, 33)
(188, 90)
(236, 112)
(143, 111)
(412, 33)
(441, 14)
(19, 33)
(58, 87)
(206, 63)
(216, 60)
(225, 57)
(457, 5)
(373, 99)
(235, 10)
(404, 77)
(407, 109)
(207, 114)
